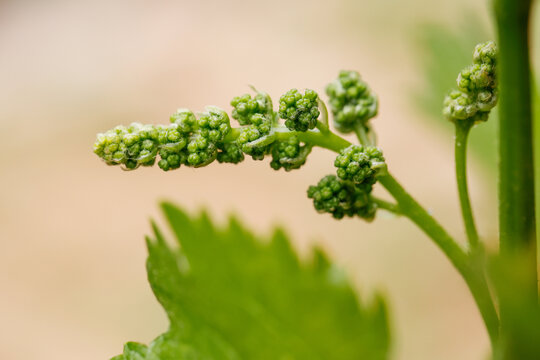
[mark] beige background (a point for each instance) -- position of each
(72, 277)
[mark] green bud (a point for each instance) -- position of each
(300, 112)
(185, 120)
(289, 154)
(360, 165)
(246, 108)
(230, 153)
(214, 124)
(477, 88)
(342, 198)
(351, 101)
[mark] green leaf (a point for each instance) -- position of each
(230, 295)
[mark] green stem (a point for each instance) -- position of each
(517, 227)
(516, 184)
(327, 140)
(472, 274)
(361, 134)
(407, 206)
(462, 133)
(322, 124)
(386, 205)
(466, 266)
(536, 142)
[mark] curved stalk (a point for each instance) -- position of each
(327, 140)
(462, 133)
(385, 205)
(322, 124)
(465, 265)
(361, 134)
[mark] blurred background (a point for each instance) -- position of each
(72, 255)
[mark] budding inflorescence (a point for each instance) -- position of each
(351, 101)
(289, 154)
(342, 198)
(360, 164)
(349, 193)
(300, 112)
(245, 107)
(259, 117)
(476, 94)
(186, 141)
(197, 140)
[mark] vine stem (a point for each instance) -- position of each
(385, 205)
(469, 269)
(468, 266)
(517, 226)
(462, 133)
(516, 184)
(361, 134)
(536, 143)
(322, 124)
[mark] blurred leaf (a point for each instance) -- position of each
(228, 295)
(442, 54)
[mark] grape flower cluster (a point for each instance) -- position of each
(360, 164)
(196, 140)
(351, 101)
(300, 112)
(349, 193)
(289, 154)
(476, 94)
(186, 141)
(258, 118)
(341, 198)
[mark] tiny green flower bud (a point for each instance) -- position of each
(289, 154)
(300, 112)
(351, 101)
(360, 164)
(246, 108)
(342, 198)
(477, 88)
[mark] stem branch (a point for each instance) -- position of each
(517, 226)
(462, 133)
(466, 266)
(516, 185)
(385, 205)
(361, 134)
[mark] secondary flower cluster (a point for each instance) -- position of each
(186, 141)
(289, 154)
(300, 112)
(349, 193)
(351, 101)
(360, 164)
(477, 88)
(196, 142)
